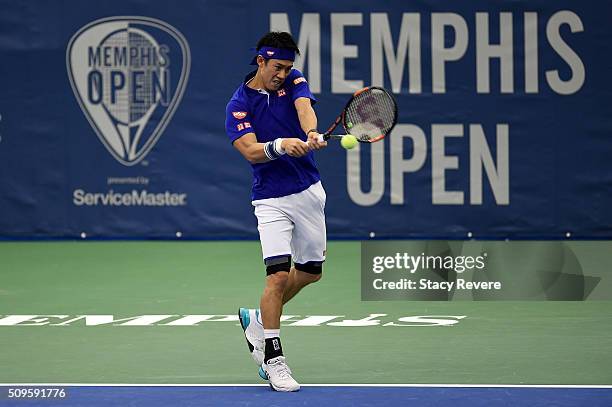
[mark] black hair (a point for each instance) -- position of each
(278, 39)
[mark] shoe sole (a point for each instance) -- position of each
(264, 375)
(283, 391)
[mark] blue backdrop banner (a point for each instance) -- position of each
(112, 117)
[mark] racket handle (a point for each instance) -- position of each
(325, 137)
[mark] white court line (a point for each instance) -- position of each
(536, 386)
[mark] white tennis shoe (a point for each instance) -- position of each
(279, 375)
(253, 332)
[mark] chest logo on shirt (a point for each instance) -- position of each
(239, 115)
(281, 92)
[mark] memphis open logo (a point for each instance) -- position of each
(128, 75)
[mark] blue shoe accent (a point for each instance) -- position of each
(245, 319)
(262, 374)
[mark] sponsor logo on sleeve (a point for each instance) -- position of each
(244, 125)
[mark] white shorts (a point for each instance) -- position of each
(293, 225)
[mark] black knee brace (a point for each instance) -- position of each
(310, 267)
(278, 263)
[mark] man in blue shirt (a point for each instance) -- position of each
(270, 120)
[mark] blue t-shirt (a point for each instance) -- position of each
(271, 116)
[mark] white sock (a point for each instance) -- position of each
(271, 333)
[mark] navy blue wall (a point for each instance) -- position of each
(516, 145)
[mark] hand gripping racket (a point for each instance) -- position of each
(369, 115)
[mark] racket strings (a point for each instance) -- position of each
(371, 114)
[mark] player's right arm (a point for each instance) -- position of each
(254, 151)
(240, 131)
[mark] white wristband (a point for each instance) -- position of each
(278, 146)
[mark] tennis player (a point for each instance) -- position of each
(270, 120)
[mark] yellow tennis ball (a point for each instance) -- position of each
(349, 141)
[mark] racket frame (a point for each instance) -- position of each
(342, 119)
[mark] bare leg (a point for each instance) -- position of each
(296, 281)
(280, 288)
(271, 303)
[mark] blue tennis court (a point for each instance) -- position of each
(322, 396)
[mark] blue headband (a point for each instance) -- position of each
(276, 53)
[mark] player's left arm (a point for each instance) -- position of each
(308, 122)
(303, 100)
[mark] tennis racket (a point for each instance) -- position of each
(369, 115)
